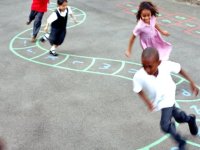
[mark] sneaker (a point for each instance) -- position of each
(52, 52)
(193, 125)
(182, 145)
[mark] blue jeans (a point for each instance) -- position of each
(168, 126)
(37, 17)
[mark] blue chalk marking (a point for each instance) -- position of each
(198, 131)
(174, 148)
(25, 42)
(105, 66)
(196, 109)
(186, 93)
(132, 71)
(51, 57)
(30, 51)
(77, 62)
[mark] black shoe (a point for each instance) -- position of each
(42, 40)
(28, 22)
(53, 53)
(182, 145)
(193, 125)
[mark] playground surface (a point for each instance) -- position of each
(83, 99)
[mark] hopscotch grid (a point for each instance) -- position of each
(188, 101)
(38, 56)
(91, 64)
(120, 69)
(151, 145)
(28, 47)
(180, 81)
(23, 38)
(65, 59)
(79, 15)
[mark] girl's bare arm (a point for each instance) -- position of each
(163, 32)
(130, 45)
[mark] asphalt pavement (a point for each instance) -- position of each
(83, 99)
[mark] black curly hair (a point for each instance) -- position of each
(147, 5)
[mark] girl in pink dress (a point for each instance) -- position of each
(149, 31)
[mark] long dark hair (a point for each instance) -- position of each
(149, 6)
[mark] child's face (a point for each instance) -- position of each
(146, 15)
(150, 65)
(63, 6)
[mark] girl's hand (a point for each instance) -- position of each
(165, 33)
(127, 53)
(46, 29)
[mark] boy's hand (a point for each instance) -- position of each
(150, 106)
(194, 89)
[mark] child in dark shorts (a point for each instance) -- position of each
(58, 21)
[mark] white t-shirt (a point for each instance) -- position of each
(53, 16)
(161, 89)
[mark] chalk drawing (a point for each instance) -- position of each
(119, 72)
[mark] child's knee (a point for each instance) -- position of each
(164, 127)
(180, 116)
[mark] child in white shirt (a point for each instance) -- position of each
(58, 21)
(154, 84)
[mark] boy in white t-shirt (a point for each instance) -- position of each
(154, 84)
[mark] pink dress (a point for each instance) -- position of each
(151, 37)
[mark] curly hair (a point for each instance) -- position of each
(149, 6)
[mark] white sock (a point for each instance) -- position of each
(53, 48)
(46, 36)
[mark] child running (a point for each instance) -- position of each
(38, 8)
(58, 21)
(149, 31)
(154, 84)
